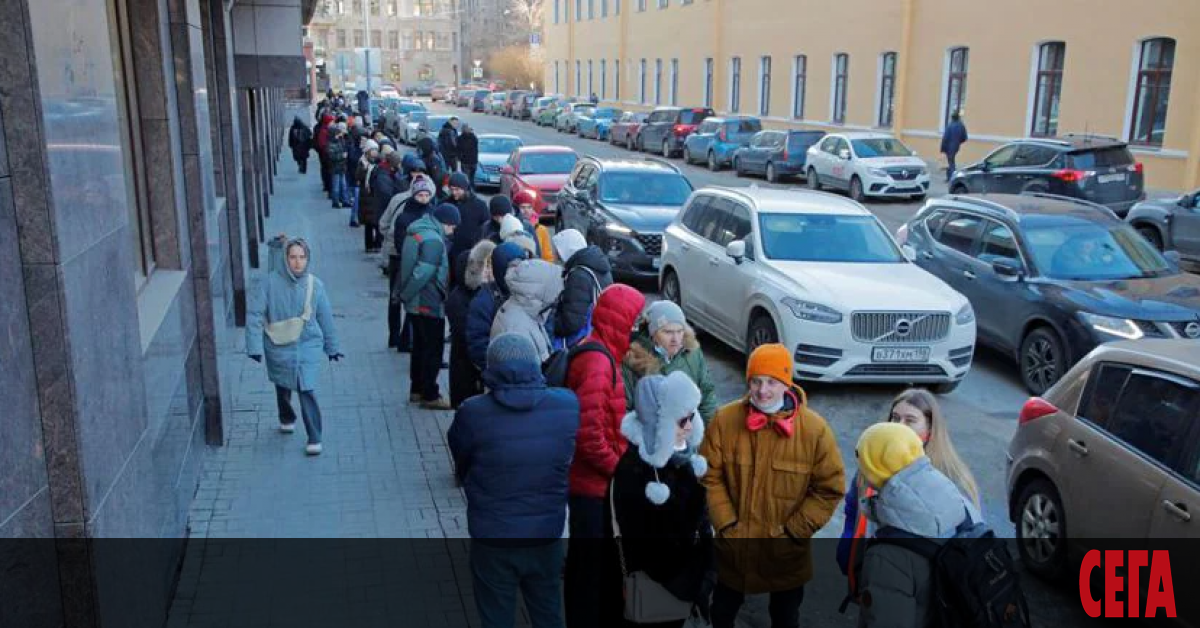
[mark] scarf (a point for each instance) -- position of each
(783, 419)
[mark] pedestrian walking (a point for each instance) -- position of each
(586, 273)
(498, 207)
(468, 152)
(527, 211)
(435, 165)
(664, 343)
(290, 325)
(448, 143)
(322, 142)
(300, 140)
(488, 300)
(474, 212)
(418, 205)
(657, 503)
(424, 275)
(595, 377)
(775, 476)
(368, 213)
(512, 450)
(512, 230)
(953, 138)
(474, 269)
(533, 287)
(338, 152)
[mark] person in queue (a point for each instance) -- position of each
(525, 202)
(586, 272)
(474, 269)
(487, 302)
(665, 343)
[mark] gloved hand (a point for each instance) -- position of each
(256, 358)
(335, 357)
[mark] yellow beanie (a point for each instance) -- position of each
(886, 448)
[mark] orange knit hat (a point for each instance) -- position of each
(772, 360)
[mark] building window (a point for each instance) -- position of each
(674, 81)
(764, 86)
(578, 10)
(1153, 89)
(556, 6)
(376, 39)
(453, 41)
(556, 88)
(591, 85)
(578, 78)
(341, 38)
(658, 81)
(799, 80)
(956, 83)
(887, 88)
(359, 42)
(603, 8)
(591, 9)
(419, 42)
(641, 5)
(841, 76)
(642, 81)
(616, 79)
(616, 7)
(429, 40)
(603, 78)
(341, 7)
(443, 41)
(735, 84)
(394, 40)
(406, 40)
(424, 7)
(357, 6)
(393, 7)
(375, 8)
(662, 4)
(708, 82)
(323, 38)
(1047, 90)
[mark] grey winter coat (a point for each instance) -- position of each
(895, 588)
(533, 286)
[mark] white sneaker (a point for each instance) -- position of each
(287, 428)
(313, 449)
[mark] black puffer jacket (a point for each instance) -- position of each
(448, 142)
(474, 213)
(468, 148)
(384, 186)
(579, 290)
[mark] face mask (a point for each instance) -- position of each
(772, 409)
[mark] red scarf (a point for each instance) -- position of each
(783, 421)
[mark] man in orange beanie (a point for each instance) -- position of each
(770, 455)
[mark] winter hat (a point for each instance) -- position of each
(369, 145)
(567, 243)
(512, 347)
(388, 149)
(502, 256)
(884, 449)
(660, 402)
(423, 184)
(510, 226)
(525, 197)
(460, 181)
(500, 205)
(662, 313)
(447, 214)
(771, 360)
(340, 126)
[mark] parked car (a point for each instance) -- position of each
(1090, 167)
(413, 123)
(481, 100)
(623, 206)
(596, 123)
(1108, 453)
(716, 138)
(495, 104)
(494, 151)
(431, 126)
(867, 164)
(625, 129)
(776, 154)
(548, 114)
(421, 89)
(465, 96)
(1171, 224)
(666, 128)
(1051, 277)
(539, 105)
(510, 100)
(389, 91)
(438, 91)
(543, 169)
(522, 108)
(568, 116)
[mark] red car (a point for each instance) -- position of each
(625, 130)
(543, 169)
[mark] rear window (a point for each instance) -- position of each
(801, 141)
(692, 116)
(743, 126)
(1101, 158)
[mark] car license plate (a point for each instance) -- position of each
(656, 262)
(900, 354)
(1111, 178)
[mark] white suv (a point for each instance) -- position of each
(867, 164)
(820, 274)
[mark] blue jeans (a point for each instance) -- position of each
(354, 204)
(341, 193)
(308, 409)
(498, 572)
(950, 166)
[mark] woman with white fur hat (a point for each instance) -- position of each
(656, 493)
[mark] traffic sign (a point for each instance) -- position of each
(476, 73)
(478, 62)
(535, 40)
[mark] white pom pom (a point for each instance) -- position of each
(658, 493)
(699, 465)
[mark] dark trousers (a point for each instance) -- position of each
(585, 571)
(465, 379)
(784, 607)
(429, 340)
(308, 409)
(399, 329)
(469, 170)
(499, 572)
(326, 174)
(371, 236)
(950, 165)
(451, 164)
(302, 162)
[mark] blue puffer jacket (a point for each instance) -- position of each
(487, 302)
(512, 450)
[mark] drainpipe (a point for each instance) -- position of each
(899, 99)
(720, 87)
(1191, 176)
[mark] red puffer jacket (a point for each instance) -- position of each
(599, 443)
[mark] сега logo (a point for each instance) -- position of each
(1160, 593)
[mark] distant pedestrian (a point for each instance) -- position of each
(586, 273)
(595, 100)
(448, 143)
(354, 146)
(468, 152)
(953, 138)
(498, 207)
(512, 450)
(775, 477)
(290, 324)
(526, 205)
(488, 300)
(419, 203)
(321, 138)
(474, 269)
(474, 212)
(435, 165)
(368, 214)
(338, 151)
(533, 287)
(424, 276)
(300, 140)
(513, 230)
(664, 343)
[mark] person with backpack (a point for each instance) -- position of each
(488, 301)
(338, 152)
(435, 165)
(447, 143)
(593, 372)
(525, 202)
(664, 343)
(775, 477)
(417, 204)
(474, 269)
(586, 272)
(300, 141)
(533, 289)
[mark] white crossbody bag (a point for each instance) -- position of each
(646, 601)
(288, 331)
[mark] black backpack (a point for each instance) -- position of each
(975, 580)
(555, 367)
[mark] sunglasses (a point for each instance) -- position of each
(685, 421)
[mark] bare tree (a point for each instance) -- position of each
(516, 66)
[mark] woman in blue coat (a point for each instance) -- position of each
(289, 295)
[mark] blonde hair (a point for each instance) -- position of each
(939, 448)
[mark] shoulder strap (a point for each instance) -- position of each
(308, 299)
(612, 507)
(591, 273)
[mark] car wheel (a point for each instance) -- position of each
(1042, 360)
(811, 179)
(762, 332)
(1042, 530)
(712, 162)
(670, 288)
(687, 156)
(666, 149)
(945, 388)
(737, 166)
(1152, 236)
(628, 142)
(959, 188)
(772, 177)
(856, 189)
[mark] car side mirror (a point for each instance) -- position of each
(1188, 200)
(985, 166)
(736, 250)
(909, 252)
(507, 170)
(1006, 269)
(844, 154)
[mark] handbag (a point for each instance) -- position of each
(288, 331)
(646, 601)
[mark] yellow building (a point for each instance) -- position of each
(1015, 69)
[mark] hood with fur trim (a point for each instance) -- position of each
(659, 404)
(477, 262)
(644, 360)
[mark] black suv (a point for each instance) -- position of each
(666, 128)
(1090, 167)
(1051, 277)
(623, 206)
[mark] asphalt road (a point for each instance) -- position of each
(982, 412)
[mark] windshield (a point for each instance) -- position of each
(406, 107)
(542, 102)
(1088, 251)
(639, 188)
(499, 96)
(418, 116)
(1110, 157)
(799, 141)
(548, 163)
(606, 113)
(743, 126)
(582, 110)
(503, 145)
(880, 147)
(826, 238)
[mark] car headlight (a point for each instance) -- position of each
(813, 312)
(965, 315)
(877, 172)
(614, 229)
(1119, 327)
